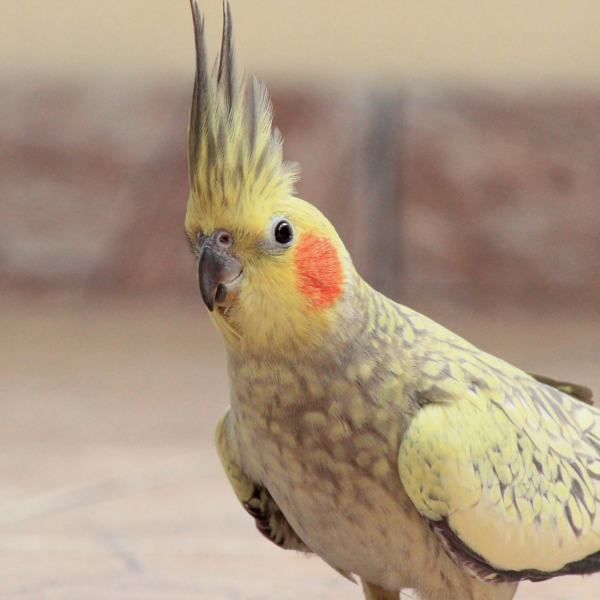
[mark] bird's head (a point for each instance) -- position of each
(272, 269)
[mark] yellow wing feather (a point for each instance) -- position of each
(511, 464)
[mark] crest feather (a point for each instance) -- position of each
(234, 154)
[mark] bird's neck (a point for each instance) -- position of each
(359, 374)
(363, 327)
(274, 329)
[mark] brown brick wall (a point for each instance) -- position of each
(471, 196)
(503, 196)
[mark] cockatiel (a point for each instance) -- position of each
(360, 430)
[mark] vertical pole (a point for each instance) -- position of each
(378, 193)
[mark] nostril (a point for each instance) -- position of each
(224, 239)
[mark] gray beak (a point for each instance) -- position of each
(217, 272)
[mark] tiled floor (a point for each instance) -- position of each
(109, 484)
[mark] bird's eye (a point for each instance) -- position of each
(284, 232)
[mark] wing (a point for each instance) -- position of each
(257, 501)
(580, 392)
(505, 467)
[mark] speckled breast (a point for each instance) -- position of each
(326, 448)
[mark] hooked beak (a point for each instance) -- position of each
(219, 275)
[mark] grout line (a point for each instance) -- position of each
(65, 499)
(142, 546)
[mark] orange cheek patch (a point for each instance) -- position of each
(320, 270)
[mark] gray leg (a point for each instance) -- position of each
(374, 592)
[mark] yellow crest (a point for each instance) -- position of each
(234, 155)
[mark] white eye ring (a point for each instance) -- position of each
(282, 232)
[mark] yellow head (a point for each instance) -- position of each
(272, 269)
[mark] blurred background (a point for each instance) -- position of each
(454, 145)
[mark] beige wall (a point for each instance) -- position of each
(551, 42)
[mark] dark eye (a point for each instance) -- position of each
(283, 232)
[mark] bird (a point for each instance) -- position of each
(360, 430)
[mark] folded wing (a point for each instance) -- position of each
(506, 469)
